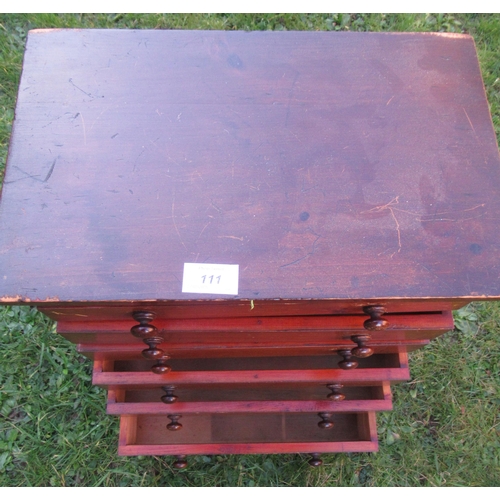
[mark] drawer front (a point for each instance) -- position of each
(222, 308)
(261, 331)
(247, 433)
(313, 370)
(133, 352)
(263, 398)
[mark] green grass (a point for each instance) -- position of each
(444, 429)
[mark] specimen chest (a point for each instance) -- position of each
(247, 232)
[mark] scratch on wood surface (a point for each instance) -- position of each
(440, 213)
(389, 101)
(312, 252)
(88, 94)
(470, 122)
(206, 225)
(175, 225)
(100, 114)
(290, 94)
(216, 207)
(398, 231)
(388, 206)
(84, 131)
(232, 237)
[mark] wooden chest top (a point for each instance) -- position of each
(325, 165)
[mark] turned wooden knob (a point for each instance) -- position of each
(153, 352)
(362, 351)
(161, 366)
(315, 460)
(174, 425)
(376, 322)
(180, 462)
(326, 422)
(143, 329)
(149, 335)
(169, 397)
(335, 395)
(347, 363)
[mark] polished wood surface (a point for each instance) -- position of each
(326, 165)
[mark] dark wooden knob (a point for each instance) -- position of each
(143, 317)
(174, 425)
(153, 352)
(362, 351)
(161, 367)
(335, 395)
(347, 363)
(315, 460)
(376, 322)
(169, 397)
(149, 335)
(143, 329)
(180, 462)
(326, 422)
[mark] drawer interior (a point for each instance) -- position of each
(249, 428)
(390, 360)
(252, 392)
(246, 433)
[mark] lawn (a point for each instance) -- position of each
(444, 429)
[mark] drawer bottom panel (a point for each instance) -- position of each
(247, 433)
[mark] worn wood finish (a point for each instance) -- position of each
(202, 309)
(326, 165)
(252, 433)
(352, 177)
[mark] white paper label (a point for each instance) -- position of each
(210, 278)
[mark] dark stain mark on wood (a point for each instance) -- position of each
(476, 249)
(50, 171)
(234, 61)
(30, 176)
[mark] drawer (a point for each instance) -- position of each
(310, 348)
(294, 369)
(260, 332)
(237, 308)
(251, 398)
(209, 434)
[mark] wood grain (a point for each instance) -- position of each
(326, 165)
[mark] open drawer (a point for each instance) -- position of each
(250, 398)
(308, 369)
(208, 434)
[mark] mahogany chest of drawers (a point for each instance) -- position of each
(248, 232)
